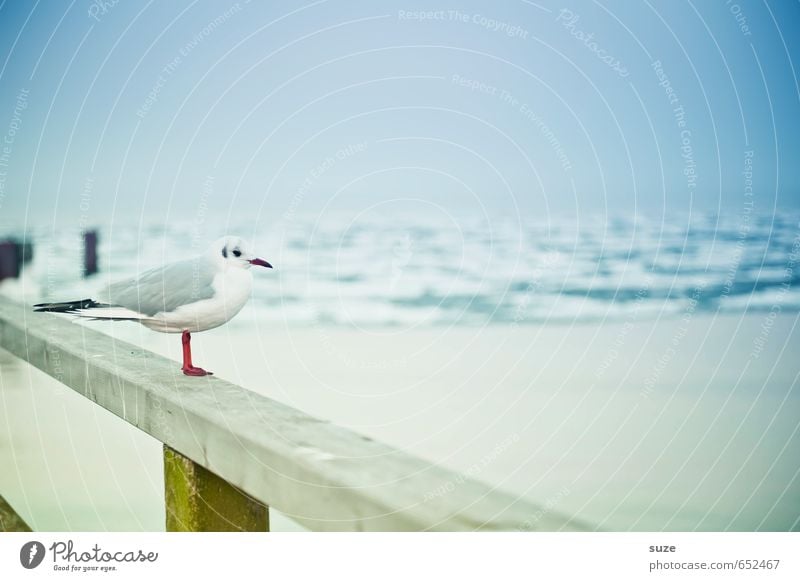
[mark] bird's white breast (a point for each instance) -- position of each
(232, 289)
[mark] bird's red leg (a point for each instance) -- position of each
(188, 368)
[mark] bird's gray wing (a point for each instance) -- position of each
(165, 288)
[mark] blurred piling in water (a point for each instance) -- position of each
(13, 255)
(90, 253)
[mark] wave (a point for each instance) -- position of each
(389, 272)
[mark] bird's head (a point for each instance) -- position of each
(234, 252)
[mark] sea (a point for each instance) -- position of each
(373, 270)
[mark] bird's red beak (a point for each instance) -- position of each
(259, 262)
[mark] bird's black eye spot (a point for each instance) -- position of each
(225, 252)
(237, 253)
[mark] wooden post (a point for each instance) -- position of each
(9, 259)
(89, 252)
(10, 521)
(198, 500)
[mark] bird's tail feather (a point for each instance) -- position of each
(111, 313)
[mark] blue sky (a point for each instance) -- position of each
(536, 109)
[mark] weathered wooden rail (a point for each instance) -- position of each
(229, 452)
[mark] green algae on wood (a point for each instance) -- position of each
(10, 521)
(199, 500)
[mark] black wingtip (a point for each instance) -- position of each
(65, 307)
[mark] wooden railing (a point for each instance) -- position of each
(229, 452)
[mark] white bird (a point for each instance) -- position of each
(183, 297)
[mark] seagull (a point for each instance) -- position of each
(184, 297)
